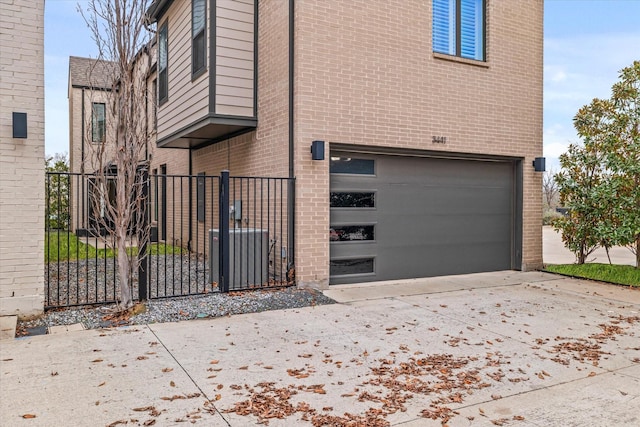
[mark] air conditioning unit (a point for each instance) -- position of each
(249, 257)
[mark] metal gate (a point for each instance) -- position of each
(206, 234)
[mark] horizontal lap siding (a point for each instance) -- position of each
(235, 58)
(188, 100)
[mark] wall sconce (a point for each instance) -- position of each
(317, 150)
(19, 125)
(539, 164)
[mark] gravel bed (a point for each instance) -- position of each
(92, 280)
(180, 308)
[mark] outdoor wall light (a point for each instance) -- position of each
(539, 164)
(317, 150)
(19, 125)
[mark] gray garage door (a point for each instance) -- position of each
(395, 217)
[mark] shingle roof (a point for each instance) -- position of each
(91, 73)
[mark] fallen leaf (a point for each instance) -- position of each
(101, 384)
(219, 387)
(172, 384)
(149, 422)
(167, 369)
(141, 357)
(518, 417)
(214, 362)
(592, 374)
(55, 373)
(144, 409)
(27, 416)
(96, 361)
(218, 396)
(243, 368)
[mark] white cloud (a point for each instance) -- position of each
(556, 140)
(578, 69)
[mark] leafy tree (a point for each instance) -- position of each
(57, 192)
(623, 159)
(600, 179)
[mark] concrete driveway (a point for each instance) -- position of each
(506, 348)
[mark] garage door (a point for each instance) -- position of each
(395, 217)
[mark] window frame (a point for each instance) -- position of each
(198, 69)
(94, 121)
(154, 104)
(163, 69)
(456, 21)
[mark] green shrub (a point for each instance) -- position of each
(549, 215)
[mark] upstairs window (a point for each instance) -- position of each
(163, 82)
(198, 38)
(98, 122)
(154, 104)
(459, 28)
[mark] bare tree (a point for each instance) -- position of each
(118, 157)
(549, 188)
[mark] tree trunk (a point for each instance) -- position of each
(582, 254)
(638, 251)
(123, 270)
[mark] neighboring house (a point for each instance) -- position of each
(90, 84)
(431, 114)
(21, 158)
(92, 136)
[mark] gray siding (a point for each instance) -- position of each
(188, 100)
(235, 57)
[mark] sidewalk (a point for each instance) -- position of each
(527, 349)
(554, 251)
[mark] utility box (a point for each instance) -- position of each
(249, 257)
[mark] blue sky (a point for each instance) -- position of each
(586, 43)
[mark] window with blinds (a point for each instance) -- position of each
(459, 27)
(198, 41)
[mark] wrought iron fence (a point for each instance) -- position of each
(207, 234)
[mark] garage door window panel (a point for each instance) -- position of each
(352, 166)
(352, 233)
(352, 266)
(353, 199)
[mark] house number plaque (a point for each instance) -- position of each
(439, 139)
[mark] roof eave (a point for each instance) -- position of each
(157, 9)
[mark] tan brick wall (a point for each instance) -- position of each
(366, 74)
(22, 160)
(90, 155)
(263, 152)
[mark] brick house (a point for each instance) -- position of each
(91, 130)
(21, 158)
(430, 113)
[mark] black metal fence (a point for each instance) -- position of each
(206, 234)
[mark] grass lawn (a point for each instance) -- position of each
(621, 274)
(65, 246)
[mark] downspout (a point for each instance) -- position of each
(291, 74)
(190, 200)
(82, 136)
(292, 194)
